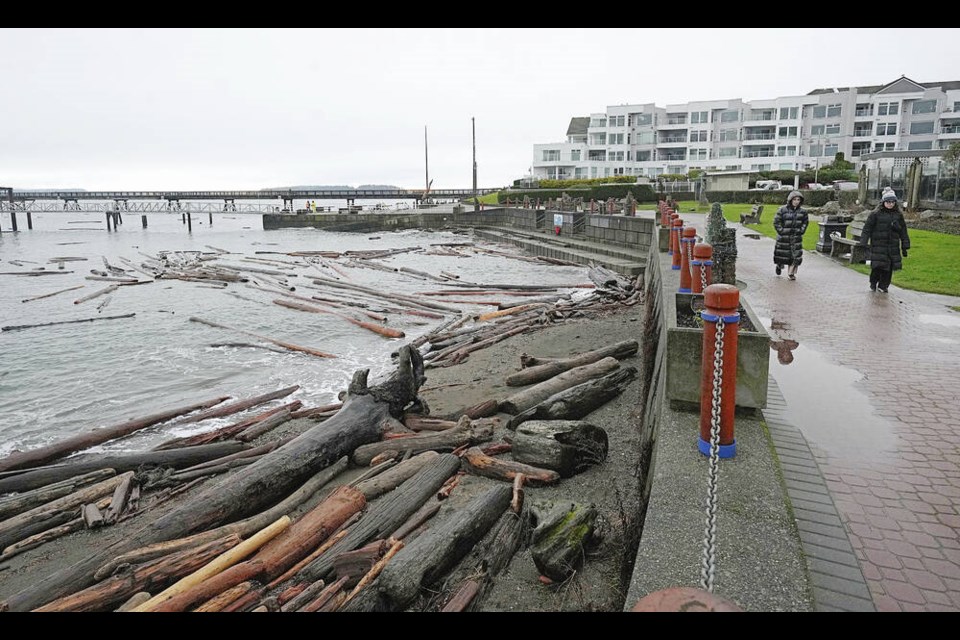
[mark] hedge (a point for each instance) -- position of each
(641, 193)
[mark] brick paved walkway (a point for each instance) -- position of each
(873, 387)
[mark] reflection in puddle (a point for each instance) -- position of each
(831, 412)
(946, 321)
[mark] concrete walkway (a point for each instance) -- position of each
(869, 385)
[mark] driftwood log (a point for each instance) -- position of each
(478, 463)
(392, 478)
(175, 458)
(21, 502)
(523, 400)
(559, 540)
(42, 455)
(577, 402)
(464, 433)
(261, 484)
(388, 513)
(431, 555)
(531, 375)
(565, 446)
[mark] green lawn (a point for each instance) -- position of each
(932, 265)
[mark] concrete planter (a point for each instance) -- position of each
(685, 351)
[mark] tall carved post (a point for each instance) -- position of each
(724, 243)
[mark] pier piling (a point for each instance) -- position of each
(13, 219)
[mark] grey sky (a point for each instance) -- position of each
(165, 109)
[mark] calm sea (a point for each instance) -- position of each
(61, 380)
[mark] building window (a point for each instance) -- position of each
(920, 128)
(593, 172)
(618, 171)
(580, 172)
(598, 138)
(789, 113)
(551, 155)
(863, 110)
(616, 121)
(597, 156)
(760, 167)
(832, 129)
(698, 136)
(886, 128)
(615, 156)
(615, 138)
(831, 150)
(729, 115)
(789, 150)
(728, 134)
(920, 145)
(641, 118)
(816, 130)
(815, 150)
(575, 155)
(598, 122)
(888, 108)
(787, 132)
(924, 106)
(698, 154)
(728, 152)
(786, 166)
(643, 156)
(884, 146)
(676, 168)
(956, 107)
(645, 137)
(699, 117)
(826, 111)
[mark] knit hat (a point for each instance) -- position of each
(889, 196)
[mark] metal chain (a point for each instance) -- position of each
(708, 560)
(703, 277)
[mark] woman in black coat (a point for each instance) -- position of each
(885, 232)
(790, 222)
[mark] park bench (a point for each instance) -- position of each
(849, 248)
(753, 217)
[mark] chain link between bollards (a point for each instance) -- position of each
(708, 560)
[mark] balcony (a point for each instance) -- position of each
(760, 136)
(949, 130)
(764, 153)
(673, 140)
(671, 124)
(863, 113)
(864, 133)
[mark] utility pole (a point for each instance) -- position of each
(426, 164)
(473, 126)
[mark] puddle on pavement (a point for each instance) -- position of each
(824, 403)
(943, 320)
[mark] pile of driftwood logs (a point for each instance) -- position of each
(234, 533)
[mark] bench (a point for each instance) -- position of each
(753, 217)
(849, 248)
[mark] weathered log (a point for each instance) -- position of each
(485, 409)
(279, 343)
(245, 602)
(353, 565)
(375, 570)
(523, 400)
(254, 487)
(13, 529)
(388, 513)
(21, 459)
(175, 458)
(387, 332)
(394, 477)
(92, 518)
(516, 503)
(21, 502)
(240, 455)
(153, 575)
(462, 598)
(307, 413)
(221, 563)
(262, 427)
(558, 541)
(432, 554)
(119, 501)
(242, 528)
(228, 431)
(546, 300)
(133, 602)
(47, 295)
(40, 533)
(280, 553)
(542, 372)
(97, 293)
(218, 602)
(328, 593)
(186, 476)
(329, 542)
(310, 592)
(565, 446)
(240, 405)
(478, 463)
(463, 433)
(578, 401)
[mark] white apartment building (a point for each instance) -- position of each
(788, 133)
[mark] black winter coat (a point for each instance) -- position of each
(790, 225)
(885, 233)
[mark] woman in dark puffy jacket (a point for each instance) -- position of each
(885, 233)
(790, 222)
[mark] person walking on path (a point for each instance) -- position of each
(885, 233)
(790, 223)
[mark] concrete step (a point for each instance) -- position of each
(625, 261)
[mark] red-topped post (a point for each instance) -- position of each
(675, 230)
(718, 379)
(687, 239)
(701, 267)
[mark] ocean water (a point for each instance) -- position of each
(62, 380)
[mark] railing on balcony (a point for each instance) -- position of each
(760, 116)
(758, 154)
(759, 136)
(950, 129)
(864, 133)
(676, 121)
(862, 113)
(673, 139)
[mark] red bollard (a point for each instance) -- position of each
(670, 218)
(721, 303)
(665, 216)
(687, 240)
(701, 267)
(675, 230)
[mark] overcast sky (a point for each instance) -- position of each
(211, 109)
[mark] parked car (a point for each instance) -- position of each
(767, 185)
(814, 186)
(845, 185)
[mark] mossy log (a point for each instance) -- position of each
(559, 540)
